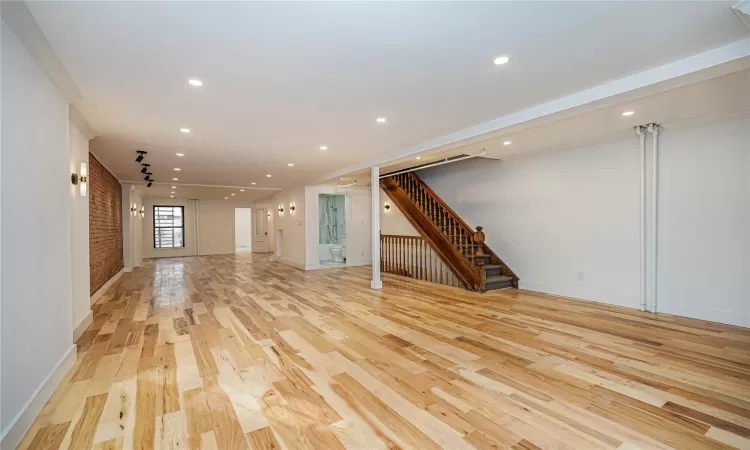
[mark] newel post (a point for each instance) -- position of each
(478, 239)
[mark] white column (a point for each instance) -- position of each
(376, 283)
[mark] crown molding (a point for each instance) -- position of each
(22, 23)
(20, 20)
(77, 119)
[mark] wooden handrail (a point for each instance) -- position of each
(459, 267)
(467, 244)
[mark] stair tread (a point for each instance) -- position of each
(497, 278)
(492, 266)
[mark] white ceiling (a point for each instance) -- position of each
(243, 196)
(708, 101)
(717, 99)
(283, 78)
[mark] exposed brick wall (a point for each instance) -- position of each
(105, 224)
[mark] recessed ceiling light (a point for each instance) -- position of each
(268, 175)
(175, 179)
(342, 179)
(195, 82)
(418, 157)
(185, 130)
(290, 165)
(174, 187)
(171, 196)
(226, 198)
(177, 169)
(172, 192)
(242, 190)
(180, 154)
(232, 193)
(628, 113)
(324, 147)
(506, 143)
(380, 120)
(500, 60)
(253, 183)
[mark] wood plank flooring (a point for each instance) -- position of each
(239, 352)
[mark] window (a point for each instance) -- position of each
(169, 227)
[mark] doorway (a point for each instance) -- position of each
(332, 230)
(260, 234)
(243, 241)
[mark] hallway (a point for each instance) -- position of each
(238, 351)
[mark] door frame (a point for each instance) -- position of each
(263, 210)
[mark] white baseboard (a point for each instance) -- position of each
(97, 295)
(127, 269)
(700, 312)
(290, 263)
(355, 263)
(81, 327)
(20, 424)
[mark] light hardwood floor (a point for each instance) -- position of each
(235, 352)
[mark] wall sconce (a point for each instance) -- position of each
(281, 210)
(143, 212)
(291, 207)
(134, 209)
(386, 207)
(81, 179)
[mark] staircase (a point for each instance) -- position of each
(461, 250)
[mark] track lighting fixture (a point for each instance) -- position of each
(145, 168)
(140, 155)
(149, 184)
(148, 176)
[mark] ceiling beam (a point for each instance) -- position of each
(712, 63)
(20, 20)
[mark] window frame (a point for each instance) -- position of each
(182, 227)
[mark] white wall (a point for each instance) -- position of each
(292, 225)
(555, 216)
(215, 227)
(243, 235)
(393, 221)
(704, 223)
(132, 223)
(36, 325)
(79, 230)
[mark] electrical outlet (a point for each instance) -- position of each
(580, 276)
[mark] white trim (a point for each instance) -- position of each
(130, 269)
(207, 185)
(80, 122)
(100, 162)
(688, 70)
(20, 424)
(289, 263)
(97, 295)
(704, 313)
(81, 327)
(22, 23)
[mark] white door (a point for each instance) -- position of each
(260, 236)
